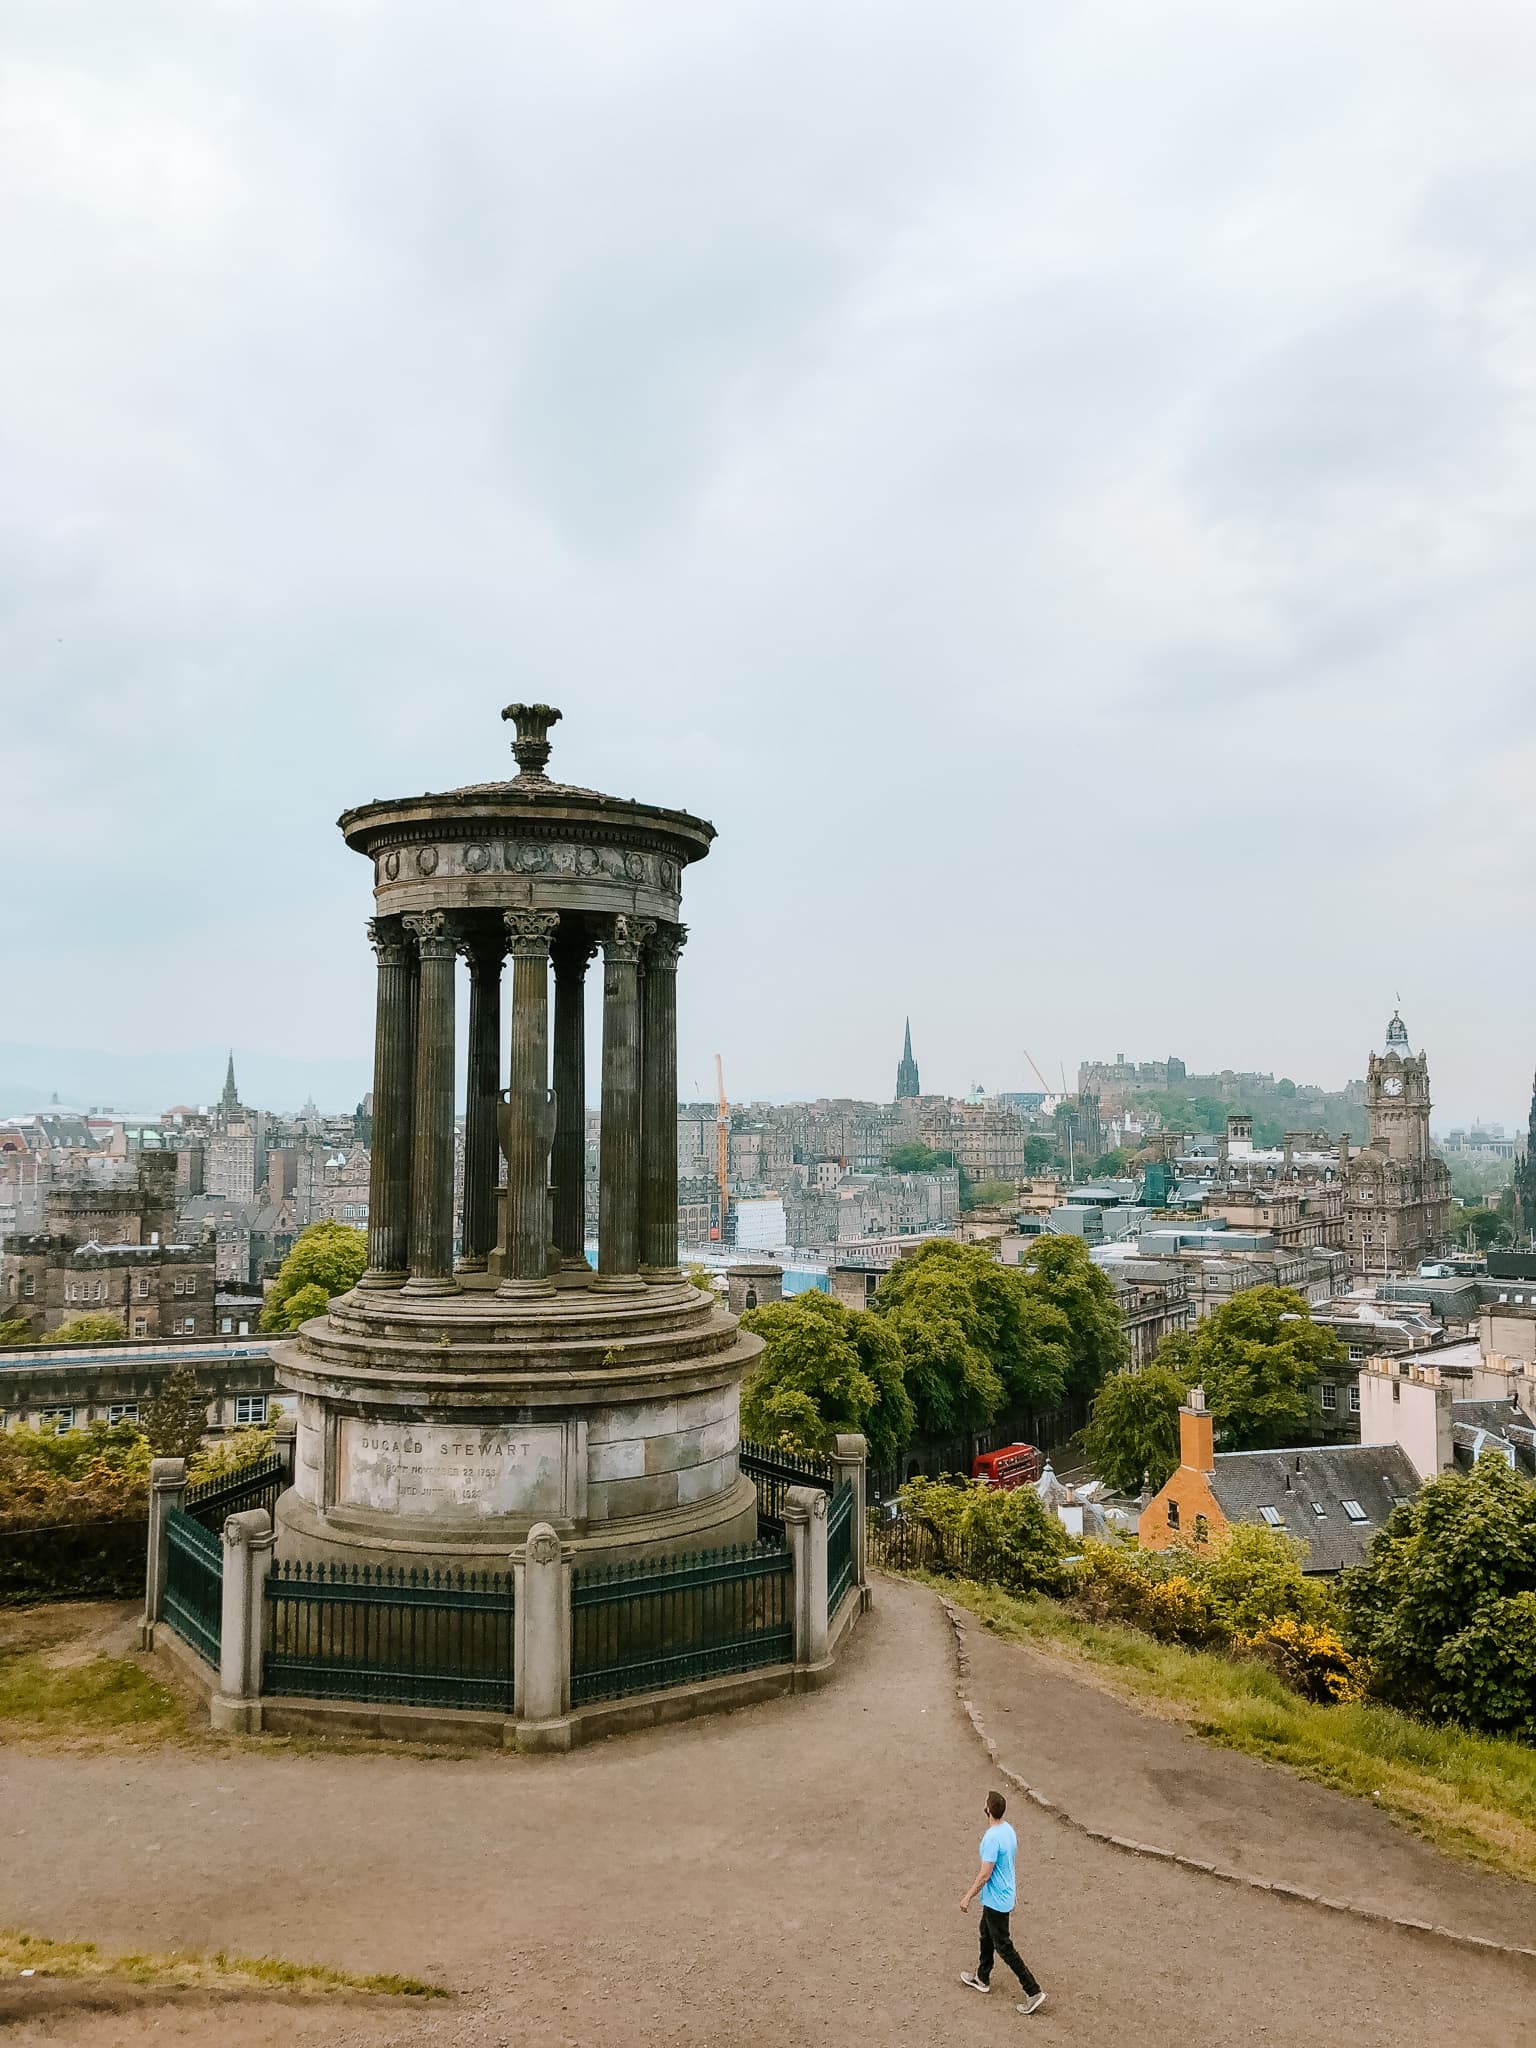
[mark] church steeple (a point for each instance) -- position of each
(906, 1073)
(231, 1096)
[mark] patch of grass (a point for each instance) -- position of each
(1474, 1796)
(184, 1969)
(95, 1695)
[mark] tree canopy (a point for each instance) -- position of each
(825, 1370)
(912, 1158)
(1133, 1432)
(974, 1334)
(91, 1329)
(1259, 1358)
(327, 1260)
(1445, 1605)
(1060, 1272)
(177, 1418)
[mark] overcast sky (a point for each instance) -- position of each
(1055, 484)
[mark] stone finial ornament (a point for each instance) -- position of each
(532, 743)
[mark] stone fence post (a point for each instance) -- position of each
(851, 1456)
(285, 1434)
(541, 1624)
(236, 1706)
(805, 1523)
(167, 1490)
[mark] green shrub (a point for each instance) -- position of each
(988, 1531)
(1203, 1599)
(1309, 1657)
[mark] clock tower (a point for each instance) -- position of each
(1397, 1194)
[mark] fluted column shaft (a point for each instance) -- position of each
(484, 952)
(527, 1127)
(394, 1085)
(658, 1103)
(618, 1216)
(571, 954)
(432, 1167)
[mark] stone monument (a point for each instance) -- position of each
(447, 1405)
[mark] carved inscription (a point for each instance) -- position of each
(429, 1469)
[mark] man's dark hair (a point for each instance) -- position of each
(997, 1805)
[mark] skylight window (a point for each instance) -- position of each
(1355, 1512)
(1273, 1516)
(1319, 1510)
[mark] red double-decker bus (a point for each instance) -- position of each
(1013, 1465)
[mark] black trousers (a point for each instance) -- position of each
(996, 1940)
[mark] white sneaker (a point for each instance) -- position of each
(970, 1977)
(1032, 2004)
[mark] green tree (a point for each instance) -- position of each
(88, 1330)
(1037, 1153)
(973, 1334)
(177, 1419)
(913, 1158)
(1259, 1358)
(1012, 1523)
(16, 1330)
(1060, 1273)
(1134, 1429)
(327, 1260)
(1444, 1608)
(990, 1194)
(825, 1370)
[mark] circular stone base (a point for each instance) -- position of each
(305, 1535)
(435, 1431)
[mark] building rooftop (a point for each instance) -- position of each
(1332, 1497)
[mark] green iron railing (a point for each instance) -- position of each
(410, 1638)
(194, 1583)
(773, 1473)
(253, 1486)
(839, 1547)
(640, 1627)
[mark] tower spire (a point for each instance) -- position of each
(231, 1098)
(906, 1073)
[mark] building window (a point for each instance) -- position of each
(29, 1285)
(1354, 1398)
(1272, 1516)
(122, 1411)
(1355, 1512)
(226, 1325)
(57, 1420)
(141, 1286)
(1397, 1392)
(1330, 1395)
(1319, 1510)
(1173, 1514)
(250, 1407)
(191, 1283)
(189, 1324)
(141, 1326)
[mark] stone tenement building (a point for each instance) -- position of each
(1397, 1195)
(108, 1251)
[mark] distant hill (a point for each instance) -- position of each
(1202, 1104)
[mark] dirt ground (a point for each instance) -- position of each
(779, 1876)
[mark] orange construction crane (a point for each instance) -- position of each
(722, 1144)
(1038, 1075)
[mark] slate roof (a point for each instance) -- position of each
(1376, 1476)
(1474, 1422)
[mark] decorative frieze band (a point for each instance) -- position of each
(552, 857)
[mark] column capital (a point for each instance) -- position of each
(530, 932)
(388, 938)
(433, 934)
(482, 945)
(624, 940)
(664, 945)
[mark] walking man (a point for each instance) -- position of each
(994, 1886)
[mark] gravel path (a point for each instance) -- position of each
(772, 1877)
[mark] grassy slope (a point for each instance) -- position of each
(1472, 1795)
(97, 1695)
(184, 1969)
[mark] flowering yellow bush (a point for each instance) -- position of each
(1310, 1657)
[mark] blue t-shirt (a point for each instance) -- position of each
(999, 1845)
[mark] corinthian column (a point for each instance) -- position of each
(483, 948)
(658, 1103)
(432, 1166)
(394, 1065)
(572, 951)
(527, 1122)
(618, 1216)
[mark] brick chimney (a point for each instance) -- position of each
(1197, 1440)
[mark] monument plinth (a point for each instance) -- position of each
(447, 1405)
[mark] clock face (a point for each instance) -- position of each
(1392, 1085)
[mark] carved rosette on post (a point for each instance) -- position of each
(527, 1120)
